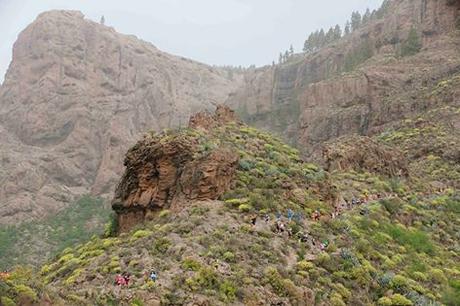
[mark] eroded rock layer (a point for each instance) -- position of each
(166, 171)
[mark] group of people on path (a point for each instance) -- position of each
(124, 278)
(281, 223)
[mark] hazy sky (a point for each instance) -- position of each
(223, 32)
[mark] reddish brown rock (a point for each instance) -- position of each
(205, 120)
(167, 171)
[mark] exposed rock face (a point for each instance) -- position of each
(75, 98)
(318, 97)
(363, 153)
(206, 120)
(166, 171)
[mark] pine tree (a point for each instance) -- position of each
(286, 56)
(329, 36)
(280, 60)
(383, 9)
(337, 32)
(347, 28)
(306, 46)
(366, 16)
(102, 20)
(355, 21)
(291, 50)
(321, 40)
(412, 45)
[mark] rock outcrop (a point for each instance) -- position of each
(362, 153)
(166, 171)
(323, 95)
(75, 97)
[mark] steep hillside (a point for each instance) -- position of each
(358, 234)
(75, 97)
(359, 83)
(77, 93)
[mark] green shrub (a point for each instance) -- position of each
(437, 275)
(275, 280)
(245, 208)
(140, 234)
(400, 300)
(385, 301)
(305, 265)
(137, 302)
(161, 245)
(227, 291)
(399, 282)
(190, 264)
(393, 206)
(420, 276)
(6, 301)
(206, 278)
(451, 294)
(25, 292)
(336, 300)
(228, 256)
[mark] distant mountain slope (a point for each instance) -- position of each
(75, 97)
(359, 83)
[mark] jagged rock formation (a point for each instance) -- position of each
(168, 172)
(75, 97)
(326, 94)
(361, 153)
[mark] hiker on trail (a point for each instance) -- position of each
(303, 237)
(153, 276)
(316, 215)
(323, 245)
(290, 214)
(266, 218)
(254, 220)
(127, 278)
(279, 226)
(353, 202)
(120, 280)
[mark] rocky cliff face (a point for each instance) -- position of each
(77, 94)
(165, 171)
(350, 86)
(75, 97)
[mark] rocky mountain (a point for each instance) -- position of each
(77, 93)
(225, 214)
(360, 83)
(76, 96)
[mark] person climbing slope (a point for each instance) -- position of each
(153, 276)
(120, 280)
